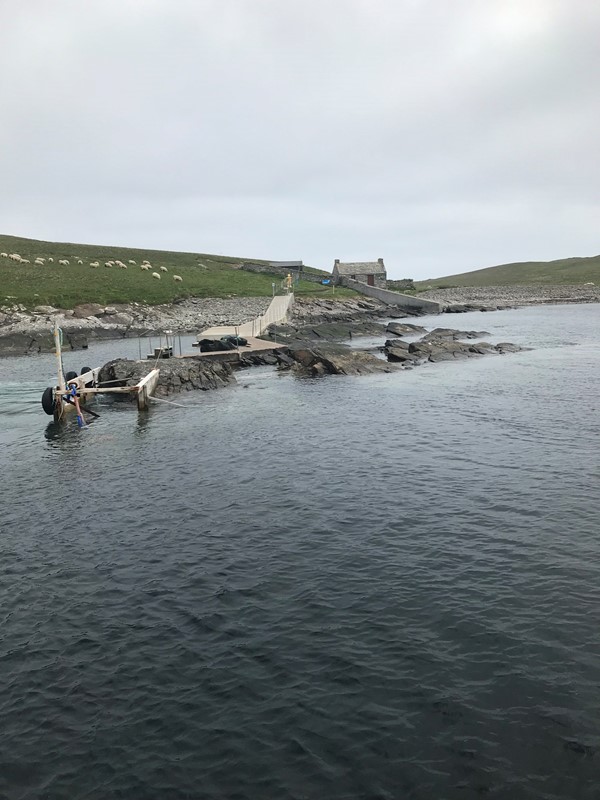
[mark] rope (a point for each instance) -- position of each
(173, 403)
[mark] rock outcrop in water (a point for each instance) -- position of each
(330, 359)
(176, 375)
(443, 348)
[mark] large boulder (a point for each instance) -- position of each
(119, 318)
(450, 333)
(45, 310)
(85, 310)
(176, 374)
(404, 329)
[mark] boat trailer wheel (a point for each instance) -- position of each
(48, 401)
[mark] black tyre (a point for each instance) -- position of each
(83, 372)
(70, 375)
(48, 401)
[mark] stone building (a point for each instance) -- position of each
(370, 272)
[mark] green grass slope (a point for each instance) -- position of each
(563, 271)
(64, 286)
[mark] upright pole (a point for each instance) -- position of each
(61, 374)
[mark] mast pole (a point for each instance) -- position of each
(61, 375)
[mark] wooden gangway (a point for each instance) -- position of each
(277, 312)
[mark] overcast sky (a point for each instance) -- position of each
(441, 135)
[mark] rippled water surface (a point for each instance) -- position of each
(378, 587)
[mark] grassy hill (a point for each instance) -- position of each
(563, 271)
(65, 286)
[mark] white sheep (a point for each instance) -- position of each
(4, 255)
(15, 256)
(146, 262)
(51, 260)
(64, 261)
(164, 269)
(177, 278)
(156, 275)
(108, 263)
(94, 263)
(79, 261)
(131, 261)
(25, 261)
(145, 266)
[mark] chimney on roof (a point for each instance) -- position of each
(380, 261)
(336, 262)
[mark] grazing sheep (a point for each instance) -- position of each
(79, 261)
(177, 278)
(131, 261)
(25, 261)
(15, 256)
(94, 263)
(4, 255)
(51, 260)
(164, 269)
(64, 261)
(108, 264)
(145, 266)
(156, 275)
(146, 262)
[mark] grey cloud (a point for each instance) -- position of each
(443, 137)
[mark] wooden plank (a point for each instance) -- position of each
(145, 389)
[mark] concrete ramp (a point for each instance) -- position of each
(394, 298)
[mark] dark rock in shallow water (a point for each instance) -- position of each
(450, 333)
(404, 328)
(399, 344)
(325, 331)
(327, 359)
(400, 355)
(448, 349)
(508, 347)
(176, 375)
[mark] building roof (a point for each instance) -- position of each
(360, 267)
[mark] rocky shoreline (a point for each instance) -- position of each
(24, 331)
(313, 351)
(513, 296)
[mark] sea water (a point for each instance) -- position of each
(375, 587)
